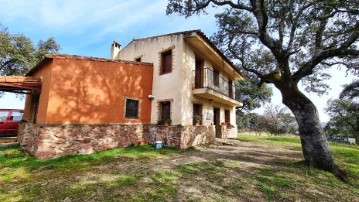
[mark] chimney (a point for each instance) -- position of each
(115, 49)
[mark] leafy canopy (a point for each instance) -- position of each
(344, 112)
(251, 95)
(18, 54)
(284, 41)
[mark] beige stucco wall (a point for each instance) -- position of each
(166, 86)
(188, 98)
(176, 86)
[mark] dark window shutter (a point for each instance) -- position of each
(166, 58)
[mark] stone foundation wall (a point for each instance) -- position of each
(55, 140)
(182, 136)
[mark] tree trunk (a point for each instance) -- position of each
(315, 147)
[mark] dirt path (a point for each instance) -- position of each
(229, 170)
(225, 169)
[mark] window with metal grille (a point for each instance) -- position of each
(131, 108)
(166, 62)
(165, 110)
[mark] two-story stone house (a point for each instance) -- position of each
(191, 78)
(84, 104)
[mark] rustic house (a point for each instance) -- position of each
(87, 104)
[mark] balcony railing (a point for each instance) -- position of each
(207, 78)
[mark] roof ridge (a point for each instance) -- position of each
(49, 56)
(173, 33)
(80, 57)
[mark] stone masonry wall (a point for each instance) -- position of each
(54, 140)
(182, 136)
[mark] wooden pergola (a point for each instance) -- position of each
(20, 84)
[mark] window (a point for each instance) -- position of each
(165, 110)
(131, 108)
(3, 115)
(197, 113)
(216, 77)
(227, 117)
(166, 62)
(139, 59)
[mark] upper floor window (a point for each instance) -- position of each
(216, 77)
(166, 62)
(131, 109)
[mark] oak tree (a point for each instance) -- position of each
(284, 42)
(18, 54)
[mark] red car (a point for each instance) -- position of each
(9, 121)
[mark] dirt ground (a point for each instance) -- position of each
(230, 170)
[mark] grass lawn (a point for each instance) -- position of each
(255, 168)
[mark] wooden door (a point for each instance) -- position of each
(216, 121)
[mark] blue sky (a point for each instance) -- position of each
(88, 27)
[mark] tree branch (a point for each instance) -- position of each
(295, 25)
(233, 5)
(340, 52)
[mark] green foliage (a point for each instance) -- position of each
(300, 38)
(350, 91)
(168, 120)
(18, 54)
(251, 95)
(286, 42)
(344, 112)
(78, 161)
(197, 119)
(344, 118)
(275, 120)
(270, 170)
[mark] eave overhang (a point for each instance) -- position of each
(202, 44)
(20, 84)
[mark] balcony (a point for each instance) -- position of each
(210, 85)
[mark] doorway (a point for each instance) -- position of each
(216, 121)
(199, 74)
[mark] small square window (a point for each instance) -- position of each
(139, 59)
(131, 108)
(166, 62)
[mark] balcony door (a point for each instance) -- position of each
(230, 89)
(199, 77)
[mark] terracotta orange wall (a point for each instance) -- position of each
(45, 73)
(88, 91)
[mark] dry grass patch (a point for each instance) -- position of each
(248, 169)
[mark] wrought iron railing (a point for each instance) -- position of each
(207, 78)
